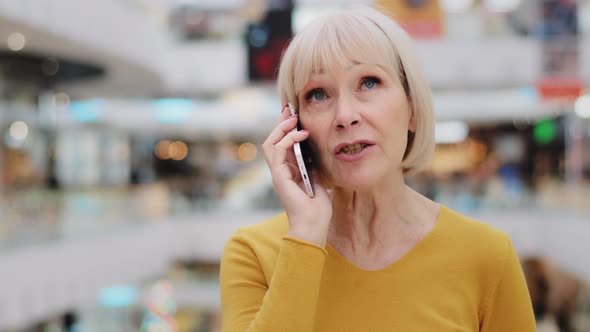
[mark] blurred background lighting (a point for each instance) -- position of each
(50, 66)
(171, 150)
(173, 110)
(85, 111)
(162, 150)
(61, 100)
(476, 151)
(530, 93)
(544, 131)
(258, 36)
(16, 41)
(500, 6)
(456, 6)
(247, 151)
(582, 106)
(19, 130)
(118, 296)
(178, 150)
(248, 100)
(450, 132)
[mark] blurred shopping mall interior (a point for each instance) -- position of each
(130, 135)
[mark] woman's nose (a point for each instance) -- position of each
(347, 113)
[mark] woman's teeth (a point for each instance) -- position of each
(352, 149)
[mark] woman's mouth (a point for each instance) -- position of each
(352, 149)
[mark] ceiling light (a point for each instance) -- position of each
(456, 6)
(501, 6)
(19, 130)
(582, 106)
(16, 41)
(451, 132)
(247, 151)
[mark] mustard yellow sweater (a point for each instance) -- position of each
(463, 276)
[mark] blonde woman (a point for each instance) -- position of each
(367, 253)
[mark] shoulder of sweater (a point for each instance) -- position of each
(462, 225)
(260, 241)
(482, 239)
(265, 233)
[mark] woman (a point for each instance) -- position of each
(367, 253)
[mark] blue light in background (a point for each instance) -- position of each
(173, 111)
(530, 93)
(117, 296)
(85, 205)
(86, 111)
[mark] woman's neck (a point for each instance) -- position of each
(385, 215)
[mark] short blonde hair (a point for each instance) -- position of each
(363, 35)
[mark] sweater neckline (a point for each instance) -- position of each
(401, 260)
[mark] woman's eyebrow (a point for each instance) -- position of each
(355, 64)
(319, 75)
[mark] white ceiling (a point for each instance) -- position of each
(122, 77)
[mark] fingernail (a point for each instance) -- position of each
(284, 108)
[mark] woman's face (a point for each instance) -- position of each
(358, 118)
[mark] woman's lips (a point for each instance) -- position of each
(339, 147)
(352, 157)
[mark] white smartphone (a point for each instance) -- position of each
(301, 161)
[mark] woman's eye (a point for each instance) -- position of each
(316, 95)
(369, 82)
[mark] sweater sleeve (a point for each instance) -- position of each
(509, 306)
(286, 303)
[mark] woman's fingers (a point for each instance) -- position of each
(285, 146)
(285, 114)
(282, 129)
(279, 154)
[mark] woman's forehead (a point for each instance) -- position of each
(348, 69)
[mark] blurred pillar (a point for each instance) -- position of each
(560, 82)
(574, 148)
(266, 40)
(559, 35)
